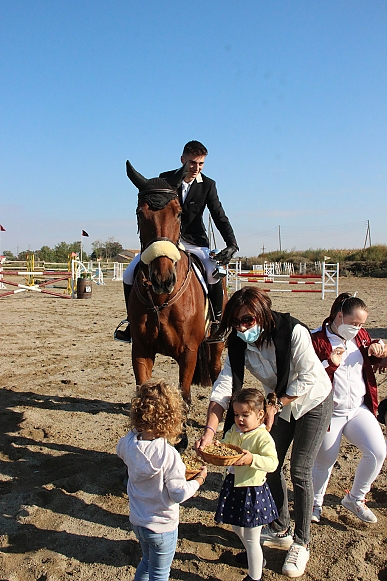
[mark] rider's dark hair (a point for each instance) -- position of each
(194, 148)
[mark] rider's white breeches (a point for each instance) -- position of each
(201, 252)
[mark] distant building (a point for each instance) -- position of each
(125, 256)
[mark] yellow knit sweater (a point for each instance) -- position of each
(261, 445)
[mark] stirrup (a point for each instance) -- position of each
(214, 335)
(123, 336)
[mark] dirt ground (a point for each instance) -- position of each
(64, 391)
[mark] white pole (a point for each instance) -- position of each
(323, 281)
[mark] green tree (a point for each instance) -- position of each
(9, 255)
(105, 250)
(46, 253)
(98, 250)
(112, 248)
(23, 254)
(63, 249)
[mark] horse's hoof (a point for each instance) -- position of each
(183, 444)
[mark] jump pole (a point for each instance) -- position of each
(118, 271)
(329, 280)
(30, 274)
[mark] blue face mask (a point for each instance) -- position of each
(250, 335)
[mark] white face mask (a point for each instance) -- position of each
(347, 332)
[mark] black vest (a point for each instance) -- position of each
(281, 336)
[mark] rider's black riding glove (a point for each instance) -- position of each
(225, 255)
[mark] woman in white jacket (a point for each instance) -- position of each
(277, 350)
(156, 476)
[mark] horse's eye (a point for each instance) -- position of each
(179, 215)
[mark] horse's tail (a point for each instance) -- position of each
(202, 370)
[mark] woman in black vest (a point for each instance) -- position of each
(277, 350)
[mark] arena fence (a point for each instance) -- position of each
(328, 280)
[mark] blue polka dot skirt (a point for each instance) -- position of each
(245, 506)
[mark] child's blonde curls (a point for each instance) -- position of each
(159, 407)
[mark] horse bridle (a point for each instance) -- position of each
(150, 303)
(168, 196)
(160, 239)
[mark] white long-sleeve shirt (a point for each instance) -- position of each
(308, 381)
(349, 387)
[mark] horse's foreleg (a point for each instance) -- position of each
(142, 366)
(187, 363)
(215, 360)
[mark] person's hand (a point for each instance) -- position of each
(271, 411)
(225, 255)
(376, 349)
(246, 459)
(202, 473)
(337, 355)
(204, 441)
(381, 366)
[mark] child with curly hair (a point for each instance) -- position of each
(156, 476)
(245, 500)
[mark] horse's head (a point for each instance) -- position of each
(158, 219)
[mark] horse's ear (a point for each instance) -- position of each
(136, 178)
(176, 179)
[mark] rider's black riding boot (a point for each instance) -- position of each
(215, 293)
(125, 335)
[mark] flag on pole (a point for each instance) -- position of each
(2, 229)
(84, 233)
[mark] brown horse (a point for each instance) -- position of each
(167, 306)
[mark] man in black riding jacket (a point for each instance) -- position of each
(196, 192)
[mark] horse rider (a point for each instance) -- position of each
(196, 192)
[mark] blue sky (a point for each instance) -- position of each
(289, 97)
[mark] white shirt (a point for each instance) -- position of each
(186, 186)
(348, 384)
(308, 380)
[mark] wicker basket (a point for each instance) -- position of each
(222, 460)
(191, 471)
(190, 474)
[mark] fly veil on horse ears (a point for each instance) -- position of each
(157, 193)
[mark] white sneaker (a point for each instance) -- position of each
(359, 508)
(270, 538)
(296, 561)
(316, 514)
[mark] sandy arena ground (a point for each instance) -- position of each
(65, 389)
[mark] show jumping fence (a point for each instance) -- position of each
(271, 274)
(39, 280)
(118, 270)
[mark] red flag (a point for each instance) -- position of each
(2, 229)
(84, 233)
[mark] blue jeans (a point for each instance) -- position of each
(307, 434)
(158, 550)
